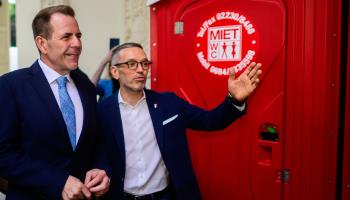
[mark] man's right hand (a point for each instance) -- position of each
(75, 189)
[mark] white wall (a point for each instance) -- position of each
(25, 12)
(98, 21)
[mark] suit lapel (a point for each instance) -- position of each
(154, 108)
(42, 87)
(116, 125)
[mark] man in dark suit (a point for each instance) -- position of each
(144, 131)
(48, 124)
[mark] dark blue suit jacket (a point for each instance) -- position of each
(36, 156)
(171, 116)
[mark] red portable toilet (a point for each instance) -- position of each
(286, 146)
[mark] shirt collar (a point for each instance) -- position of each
(121, 100)
(50, 74)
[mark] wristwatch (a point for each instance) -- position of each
(234, 101)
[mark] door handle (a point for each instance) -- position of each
(267, 142)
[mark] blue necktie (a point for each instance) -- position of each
(67, 109)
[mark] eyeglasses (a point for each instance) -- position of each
(133, 64)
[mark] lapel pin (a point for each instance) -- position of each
(155, 105)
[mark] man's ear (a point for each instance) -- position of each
(114, 72)
(41, 43)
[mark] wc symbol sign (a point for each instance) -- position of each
(225, 43)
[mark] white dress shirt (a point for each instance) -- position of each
(51, 76)
(145, 169)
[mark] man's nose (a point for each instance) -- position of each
(139, 67)
(76, 41)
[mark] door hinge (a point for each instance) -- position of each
(283, 175)
(179, 28)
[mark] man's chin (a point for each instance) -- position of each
(73, 67)
(138, 89)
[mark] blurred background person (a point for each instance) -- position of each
(105, 87)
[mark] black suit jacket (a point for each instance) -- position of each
(36, 156)
(171, 116)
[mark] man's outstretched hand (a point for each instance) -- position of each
(241, 87)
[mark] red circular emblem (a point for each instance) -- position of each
(226, 40)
